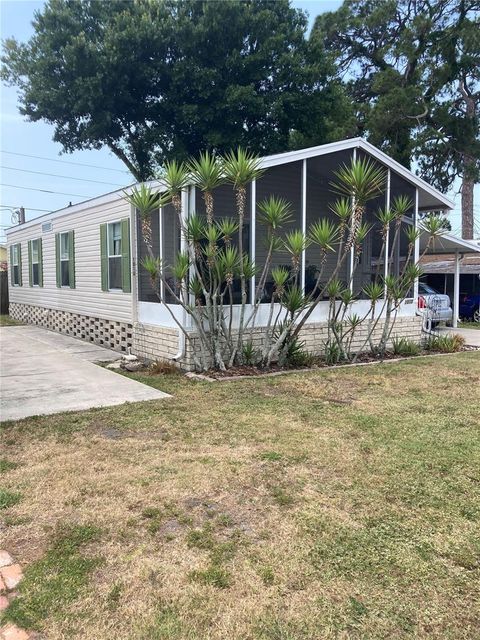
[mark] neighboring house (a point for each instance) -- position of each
(3, 257)
(439, 271)
(78, 270)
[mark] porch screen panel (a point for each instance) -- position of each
(370, 263)
(399, 250)
(145, 290)
(224, 205)
(320, 197)
(284, 181)
(170, 248)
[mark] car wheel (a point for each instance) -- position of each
(476, 315)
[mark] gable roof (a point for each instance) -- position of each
(267, 162)
(357, 143)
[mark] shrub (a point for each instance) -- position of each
(163, 367)
(405, 347)
(250, 355)
(332, 352)
(445, 344)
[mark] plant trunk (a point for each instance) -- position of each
(468, 184)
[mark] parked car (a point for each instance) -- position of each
(433, 305)
(470, 307)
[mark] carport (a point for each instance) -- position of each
(448, 245)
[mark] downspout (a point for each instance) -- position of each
(182, 343)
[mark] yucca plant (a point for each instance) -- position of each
(227, 228)
(362, 181)
(295, 244)
(176, 177)
(324, 233)
(274, 213)
(207, 174)
(146, 200)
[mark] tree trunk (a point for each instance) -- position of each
(467, 198)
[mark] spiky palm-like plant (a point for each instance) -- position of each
(240, 168)
(362, 180)
(207, 174)
(176, 177)
(146, 200)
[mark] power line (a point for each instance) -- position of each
(79, 164)
(60, 193)
(17, 206)
(56, 175)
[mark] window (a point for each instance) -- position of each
(65, 257)
(115, 255)
(64, 260)
(35, 253)
(115, 272)
(16, 265)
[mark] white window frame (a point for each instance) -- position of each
(15, 263)
(67, 259)
(37, 262)
(110, 225)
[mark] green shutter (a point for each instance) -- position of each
(11, 265)
(57, 259)
(104, 257)
(20, 264)
(126, 273)
(30, 267)
(40, 263)
(71, 258)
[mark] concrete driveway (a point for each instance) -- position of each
(43, 372)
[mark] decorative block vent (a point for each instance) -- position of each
(107, 333)
(46, 226)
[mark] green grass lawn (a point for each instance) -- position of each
(330, 504)
(7, 321)
(469, 325)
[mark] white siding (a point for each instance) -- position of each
(87, 298)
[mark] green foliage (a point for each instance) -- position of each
(274, 212)
(144, 79)
(280, 276)
(206, 172)
(250, 355)
(401, 205)
(362, 180)
(181, 266)
(241, 167)
(373, 291)
(175, 176)
(227, 227)
(445, 343)
(295, 243)
(293, 299)
(153, 266)
(324, 233)
(342, 208)
(213, 575)
(194, 228)
(412, 234)
(146, 200)
(55, 580)
(433, 225)
(334, 288)
(405, 347)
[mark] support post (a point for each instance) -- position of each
(160, 248)
(456, 290)
(253, 228)
(191, 210)
(352, 249)
(387, 239)
(304, 221)
(416, 248)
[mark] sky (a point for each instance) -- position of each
(27, 148)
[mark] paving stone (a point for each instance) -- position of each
(12, 632)
(5, 559)
(11, 575)
(4, 602)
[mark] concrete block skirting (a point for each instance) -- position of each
(162, 343)
(107, 333)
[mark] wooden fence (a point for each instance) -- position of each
(3, 292)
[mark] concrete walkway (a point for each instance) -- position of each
(472, 336)
(43, 372)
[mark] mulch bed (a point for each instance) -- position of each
(243, 371)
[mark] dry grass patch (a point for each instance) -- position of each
(328, 504)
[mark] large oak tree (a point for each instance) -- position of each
(411, 68)
(161, 79)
